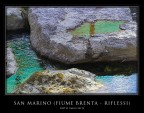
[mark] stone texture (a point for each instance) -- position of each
(14, 19)
(51, 37)
(11, 63)
(60, 82)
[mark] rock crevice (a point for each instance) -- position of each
(89, 52)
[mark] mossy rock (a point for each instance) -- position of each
(73, 80)
(60, 76)
(48, 90)
(69, 90)
(46, 83)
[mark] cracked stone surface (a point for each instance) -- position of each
(51, 37)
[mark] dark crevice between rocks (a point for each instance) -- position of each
(24, 14)
(89, 52)
(12, 34)
(26, 27)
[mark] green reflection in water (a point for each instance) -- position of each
(98, 27)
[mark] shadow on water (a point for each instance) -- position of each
(10, 35)
(99, 68)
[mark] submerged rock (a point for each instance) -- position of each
(11, 63)
(51, 36)
(60, 81)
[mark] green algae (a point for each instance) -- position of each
(98, 27)
(26, 60)
(60, 76)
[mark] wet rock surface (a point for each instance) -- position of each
(60, 82)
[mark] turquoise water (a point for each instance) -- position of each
(98, 27)
(116, 78)
(119, 84)
(26, 60)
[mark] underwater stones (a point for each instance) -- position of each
(60, 81)
(11, 63)
(14, 19)
(51, 36)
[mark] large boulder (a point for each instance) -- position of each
(11, 63)
(51, 36)
(60, 82)
(14, 19)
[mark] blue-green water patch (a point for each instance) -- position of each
(119, 84)
(99, 27)
(26, 59)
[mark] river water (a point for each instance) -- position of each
(117, 78)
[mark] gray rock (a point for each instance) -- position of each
(82, 73)
(11, 63)
(51, 38)
(129, 26)
(59, 82)
(116, 46)
(14, 19)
